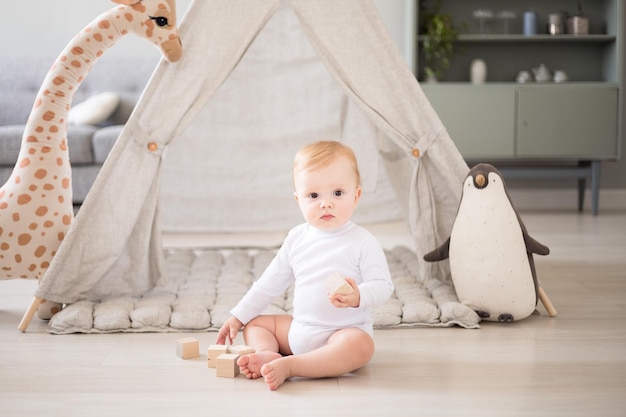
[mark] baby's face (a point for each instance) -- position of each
(328, 196)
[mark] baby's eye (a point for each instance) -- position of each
(314, 195)
(338, 193)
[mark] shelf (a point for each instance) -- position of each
(548, 123)
(489, 38)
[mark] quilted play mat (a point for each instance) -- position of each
(204, 284)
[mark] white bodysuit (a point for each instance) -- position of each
(308, 256)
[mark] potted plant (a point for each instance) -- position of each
(439, 36)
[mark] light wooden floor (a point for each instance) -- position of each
(570, 365)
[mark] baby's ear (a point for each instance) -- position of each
(295, 195)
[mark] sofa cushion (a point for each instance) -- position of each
(79, 142)
(19, 85)
(103, 141)
(20, 80)
(95, 110)
(10, 142)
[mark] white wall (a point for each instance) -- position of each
(399, 16)
(56, 22)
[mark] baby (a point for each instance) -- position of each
(328, 335)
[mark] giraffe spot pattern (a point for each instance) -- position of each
(24, 199)
(38, 200)
(40, 251)
(48, 116)
(24, 239)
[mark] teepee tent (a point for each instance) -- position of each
(336, 71)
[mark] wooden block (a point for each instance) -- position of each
(226, 365)
(215, 351)
(336, 284)
(240, 350)
(188, 348)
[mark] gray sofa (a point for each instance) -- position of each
(89, 145)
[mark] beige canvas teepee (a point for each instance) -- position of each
(334, 70)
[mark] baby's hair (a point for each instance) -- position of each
(319, 154)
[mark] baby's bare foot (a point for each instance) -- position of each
(250, 365)
(276, 372)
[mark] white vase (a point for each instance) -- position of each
(478, 71)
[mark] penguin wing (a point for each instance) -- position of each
(439, 254)
(533, 246)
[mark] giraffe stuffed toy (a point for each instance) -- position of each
(36, 208)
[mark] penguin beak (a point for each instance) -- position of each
(480, 181)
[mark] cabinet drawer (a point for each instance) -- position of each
(479, 119)
(568, 122)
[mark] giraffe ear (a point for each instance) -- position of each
(126, 2)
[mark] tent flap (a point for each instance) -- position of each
(114, 246)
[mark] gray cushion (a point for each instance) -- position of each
(103, 141)
(21, 79)
(83, 177)
(79, 142)
(10, 142)
(19, 83)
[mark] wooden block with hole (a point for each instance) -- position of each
(336, 284)
(240, 350)
(188, 348)
(226, 365)
(213, 352)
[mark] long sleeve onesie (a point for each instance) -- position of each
(308, 256)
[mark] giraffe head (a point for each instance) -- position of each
(155, 20)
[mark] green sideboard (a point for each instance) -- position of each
(536, 129)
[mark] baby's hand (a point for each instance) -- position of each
(228, 331)
(346, 300)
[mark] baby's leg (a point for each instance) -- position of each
(346, 350)
(267, 335)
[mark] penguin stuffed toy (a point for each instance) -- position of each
(490, 251)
